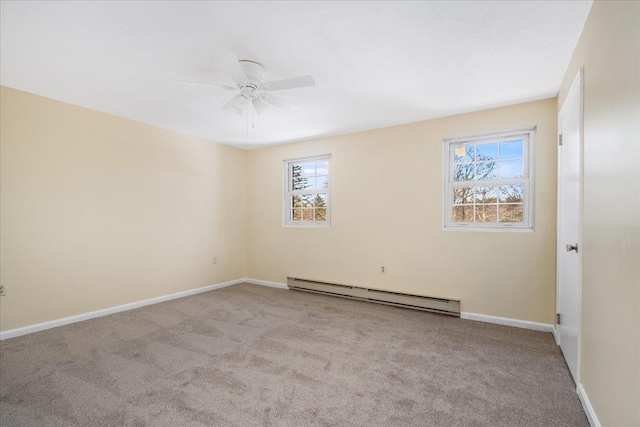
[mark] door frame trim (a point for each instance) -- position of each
(579, 82)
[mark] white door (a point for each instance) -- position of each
(569, 300)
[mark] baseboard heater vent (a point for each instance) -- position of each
(436, 305)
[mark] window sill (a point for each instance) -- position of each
(491, 229)
(307, 225)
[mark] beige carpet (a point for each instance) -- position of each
(249, 355)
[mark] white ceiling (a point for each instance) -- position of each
(376, 64)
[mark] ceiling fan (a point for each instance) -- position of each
(253, 92)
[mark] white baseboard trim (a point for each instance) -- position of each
(556, 337)
(525, 324)
(588, 409)
(266, 283)
(111, 310)
(12, 333)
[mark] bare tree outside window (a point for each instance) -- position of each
(488, 180)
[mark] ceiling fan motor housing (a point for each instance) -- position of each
(254, 71)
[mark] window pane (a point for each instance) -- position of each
(464, 172)
(296, 202)
(511, 149)
(297, 214)
(486, 213)
(486, 170)
(462, 195)
(299, 182)
(511, 193)
(320, 201)
(463, 214)
(308, 169)
(510, 213)
(510, 169)
(321, 214)
(312, 182)
(487, 194)
(307, 214)
(322, 182)
(322, 168)
(463, 154)
(307, 200)
(487, 151)
(296, 172)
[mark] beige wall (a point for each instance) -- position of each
(387, 210)
(609, 51)
(98, 211)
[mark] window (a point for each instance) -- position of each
(307, 196)
(488, 181)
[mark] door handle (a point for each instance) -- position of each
(572, 248)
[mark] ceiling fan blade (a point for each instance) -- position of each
(231, 64)
(292, 83)
(279, 102)
(260, 106)
(231, 105)
(189, 82)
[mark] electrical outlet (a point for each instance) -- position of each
(1, 290)
(214, 260)
(383, 269)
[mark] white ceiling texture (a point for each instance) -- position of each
(375, 64)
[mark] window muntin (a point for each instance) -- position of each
(489, 181)
(307, 195)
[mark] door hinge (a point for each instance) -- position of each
(560, 139)
(557, 318)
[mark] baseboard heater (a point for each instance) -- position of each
(417, 302)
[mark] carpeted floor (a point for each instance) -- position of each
(248, 355)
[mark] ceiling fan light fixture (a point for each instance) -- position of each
(242, 101)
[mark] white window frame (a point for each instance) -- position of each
(289, 192)
(528, 181)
